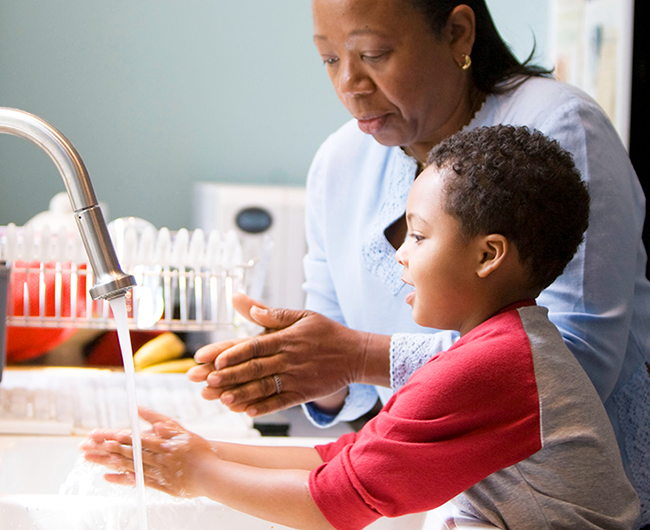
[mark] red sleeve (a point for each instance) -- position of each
(329, 451)
(466, 414)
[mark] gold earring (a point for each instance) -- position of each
(467, 61)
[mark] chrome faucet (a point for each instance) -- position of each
(110, 281)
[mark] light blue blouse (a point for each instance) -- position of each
(357, 188)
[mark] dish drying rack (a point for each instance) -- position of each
(185, 279)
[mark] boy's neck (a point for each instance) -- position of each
(495, 304)
(516, 305)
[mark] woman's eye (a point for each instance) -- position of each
(374, 57)
(330, 60)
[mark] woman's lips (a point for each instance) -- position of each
(372, 125)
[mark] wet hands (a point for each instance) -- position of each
(311, 356)
(173, 458)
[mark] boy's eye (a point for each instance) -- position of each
(417, 237)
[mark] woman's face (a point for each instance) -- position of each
(401, 82)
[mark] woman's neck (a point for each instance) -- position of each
(461, 117)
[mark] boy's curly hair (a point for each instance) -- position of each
(520, 184)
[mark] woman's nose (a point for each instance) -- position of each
(353, 81)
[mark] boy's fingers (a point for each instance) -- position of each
(125, 479)
(152, 416)
(117, 448)
(89, 444)
(122, 437)
(99, 435)
(161, 426)
(97, 458)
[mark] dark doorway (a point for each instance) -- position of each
(640, 115)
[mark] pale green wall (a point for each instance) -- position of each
(157, 94)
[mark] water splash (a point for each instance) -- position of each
(118, 305)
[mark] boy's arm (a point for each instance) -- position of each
(183, 464)
(278, 495)
(283, 457)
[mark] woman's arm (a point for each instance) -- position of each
(312, 355)
(315, 358)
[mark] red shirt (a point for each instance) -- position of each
(467, 413)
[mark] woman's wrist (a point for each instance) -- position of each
(374, 368)
(370, 366)
(331, 405)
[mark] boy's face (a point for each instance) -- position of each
(437, 261)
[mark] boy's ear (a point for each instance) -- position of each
(493, 249)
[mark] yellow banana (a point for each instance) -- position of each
(160, 349)
(177, 366)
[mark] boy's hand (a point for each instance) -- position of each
(172, 456)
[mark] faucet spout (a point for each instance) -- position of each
(110, 281)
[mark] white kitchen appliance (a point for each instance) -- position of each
(269, 221)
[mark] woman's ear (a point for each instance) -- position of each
(493, 250)
(461, 28)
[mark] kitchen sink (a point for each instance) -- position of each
(33, 470)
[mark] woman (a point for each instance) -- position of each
(412, 73)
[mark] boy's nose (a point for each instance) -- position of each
(400, 255)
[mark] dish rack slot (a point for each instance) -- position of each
(187, 288)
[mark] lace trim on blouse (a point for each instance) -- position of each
(408, 352)
(378, 253)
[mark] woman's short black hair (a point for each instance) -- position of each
(520, 184)
(495, 69)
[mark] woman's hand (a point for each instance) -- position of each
(302, 356)
(172, 456)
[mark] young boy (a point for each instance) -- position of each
(505, 423)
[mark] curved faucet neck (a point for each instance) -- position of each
(110, 281)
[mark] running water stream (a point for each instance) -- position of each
(118, 305)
